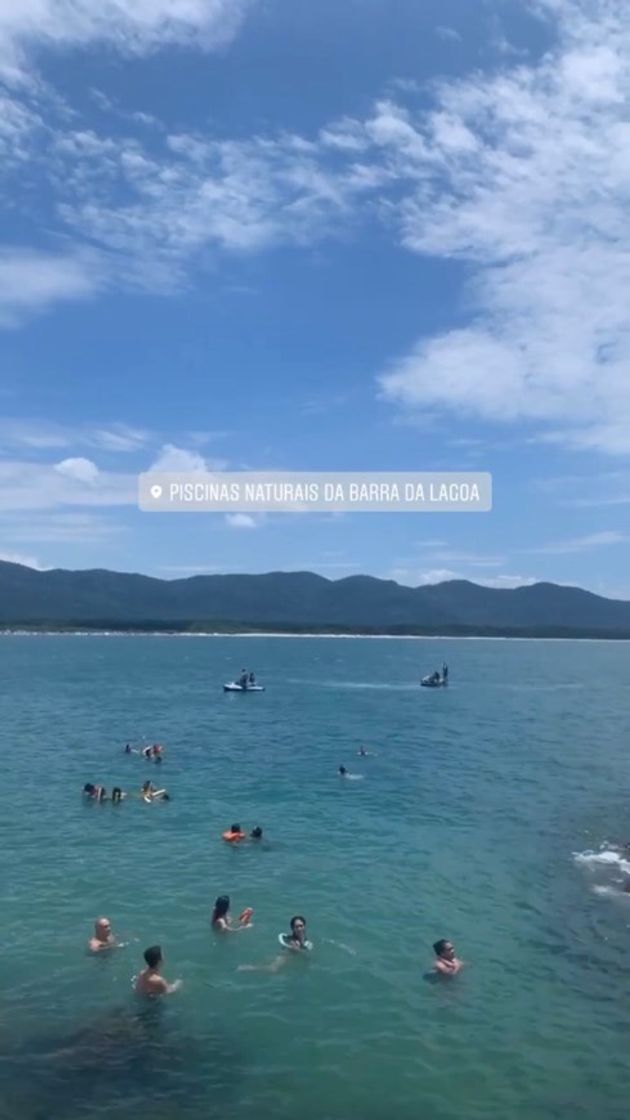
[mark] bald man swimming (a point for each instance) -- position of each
(103, 937)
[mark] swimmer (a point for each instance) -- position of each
(149, 793)
(128, 748)
(117, 795)
(447, 963)
(256, 833)
(94, 793)
(295, 941)
(234, 834)
(149, 982)
(342, 772)
(221, 920)
(103, 937)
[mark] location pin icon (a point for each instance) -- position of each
(156, 491)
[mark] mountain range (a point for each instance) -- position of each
(299, 601)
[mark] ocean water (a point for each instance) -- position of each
(489, 816)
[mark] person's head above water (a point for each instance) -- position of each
(235, 828)
(153, 956)
(102, 929)
(298, 926)
(221, 906)
(444, 949)
(257, 833)
(89, 788)
(342, 770)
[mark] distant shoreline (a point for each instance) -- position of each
(139, 632)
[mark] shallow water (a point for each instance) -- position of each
(471, 823)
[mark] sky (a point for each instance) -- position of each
(344, 236)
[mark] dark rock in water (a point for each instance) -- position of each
(128, 1060)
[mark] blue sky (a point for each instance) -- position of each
(351, 235)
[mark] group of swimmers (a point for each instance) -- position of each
(147, 793)
(361, 753)
(150, 982)
(235, 835)
(152, 753)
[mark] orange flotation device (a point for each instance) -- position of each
(234, 837)
(246, 915)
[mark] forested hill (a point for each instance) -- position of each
(301, 601)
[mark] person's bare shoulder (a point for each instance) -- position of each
(97, 946)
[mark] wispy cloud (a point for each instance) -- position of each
(582, 544)
(418, 577)
(523, 174)
(26, 485)
(242, 521)
(136, 28)
(172, 459)
(21, 558)
(114, 437)
(449, 34)
(32, 281)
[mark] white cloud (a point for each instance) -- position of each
(448, 33)
(81, 470)
(442, 553)
(411, 577)
(31, 281)
(242, 521)
(196, 193)
(28, 485)
(524, 175)
(119, 437)
(506, 581)
(174, 459)
(418, 577)
(42, 435)
(583, 544)
(130, 28)
(20, 558)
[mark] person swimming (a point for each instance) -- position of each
(94, 793)
(221, 920)
(148, 793)
(149, 982)
(295, 941)
(103, 937)
(234, 834)
(147, 752)
(343, 772)
(128, 748)
(447, 963)
(117, 795)
(256, 833)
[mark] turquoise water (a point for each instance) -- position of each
(465, 826)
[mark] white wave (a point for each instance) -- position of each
(607, 857)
